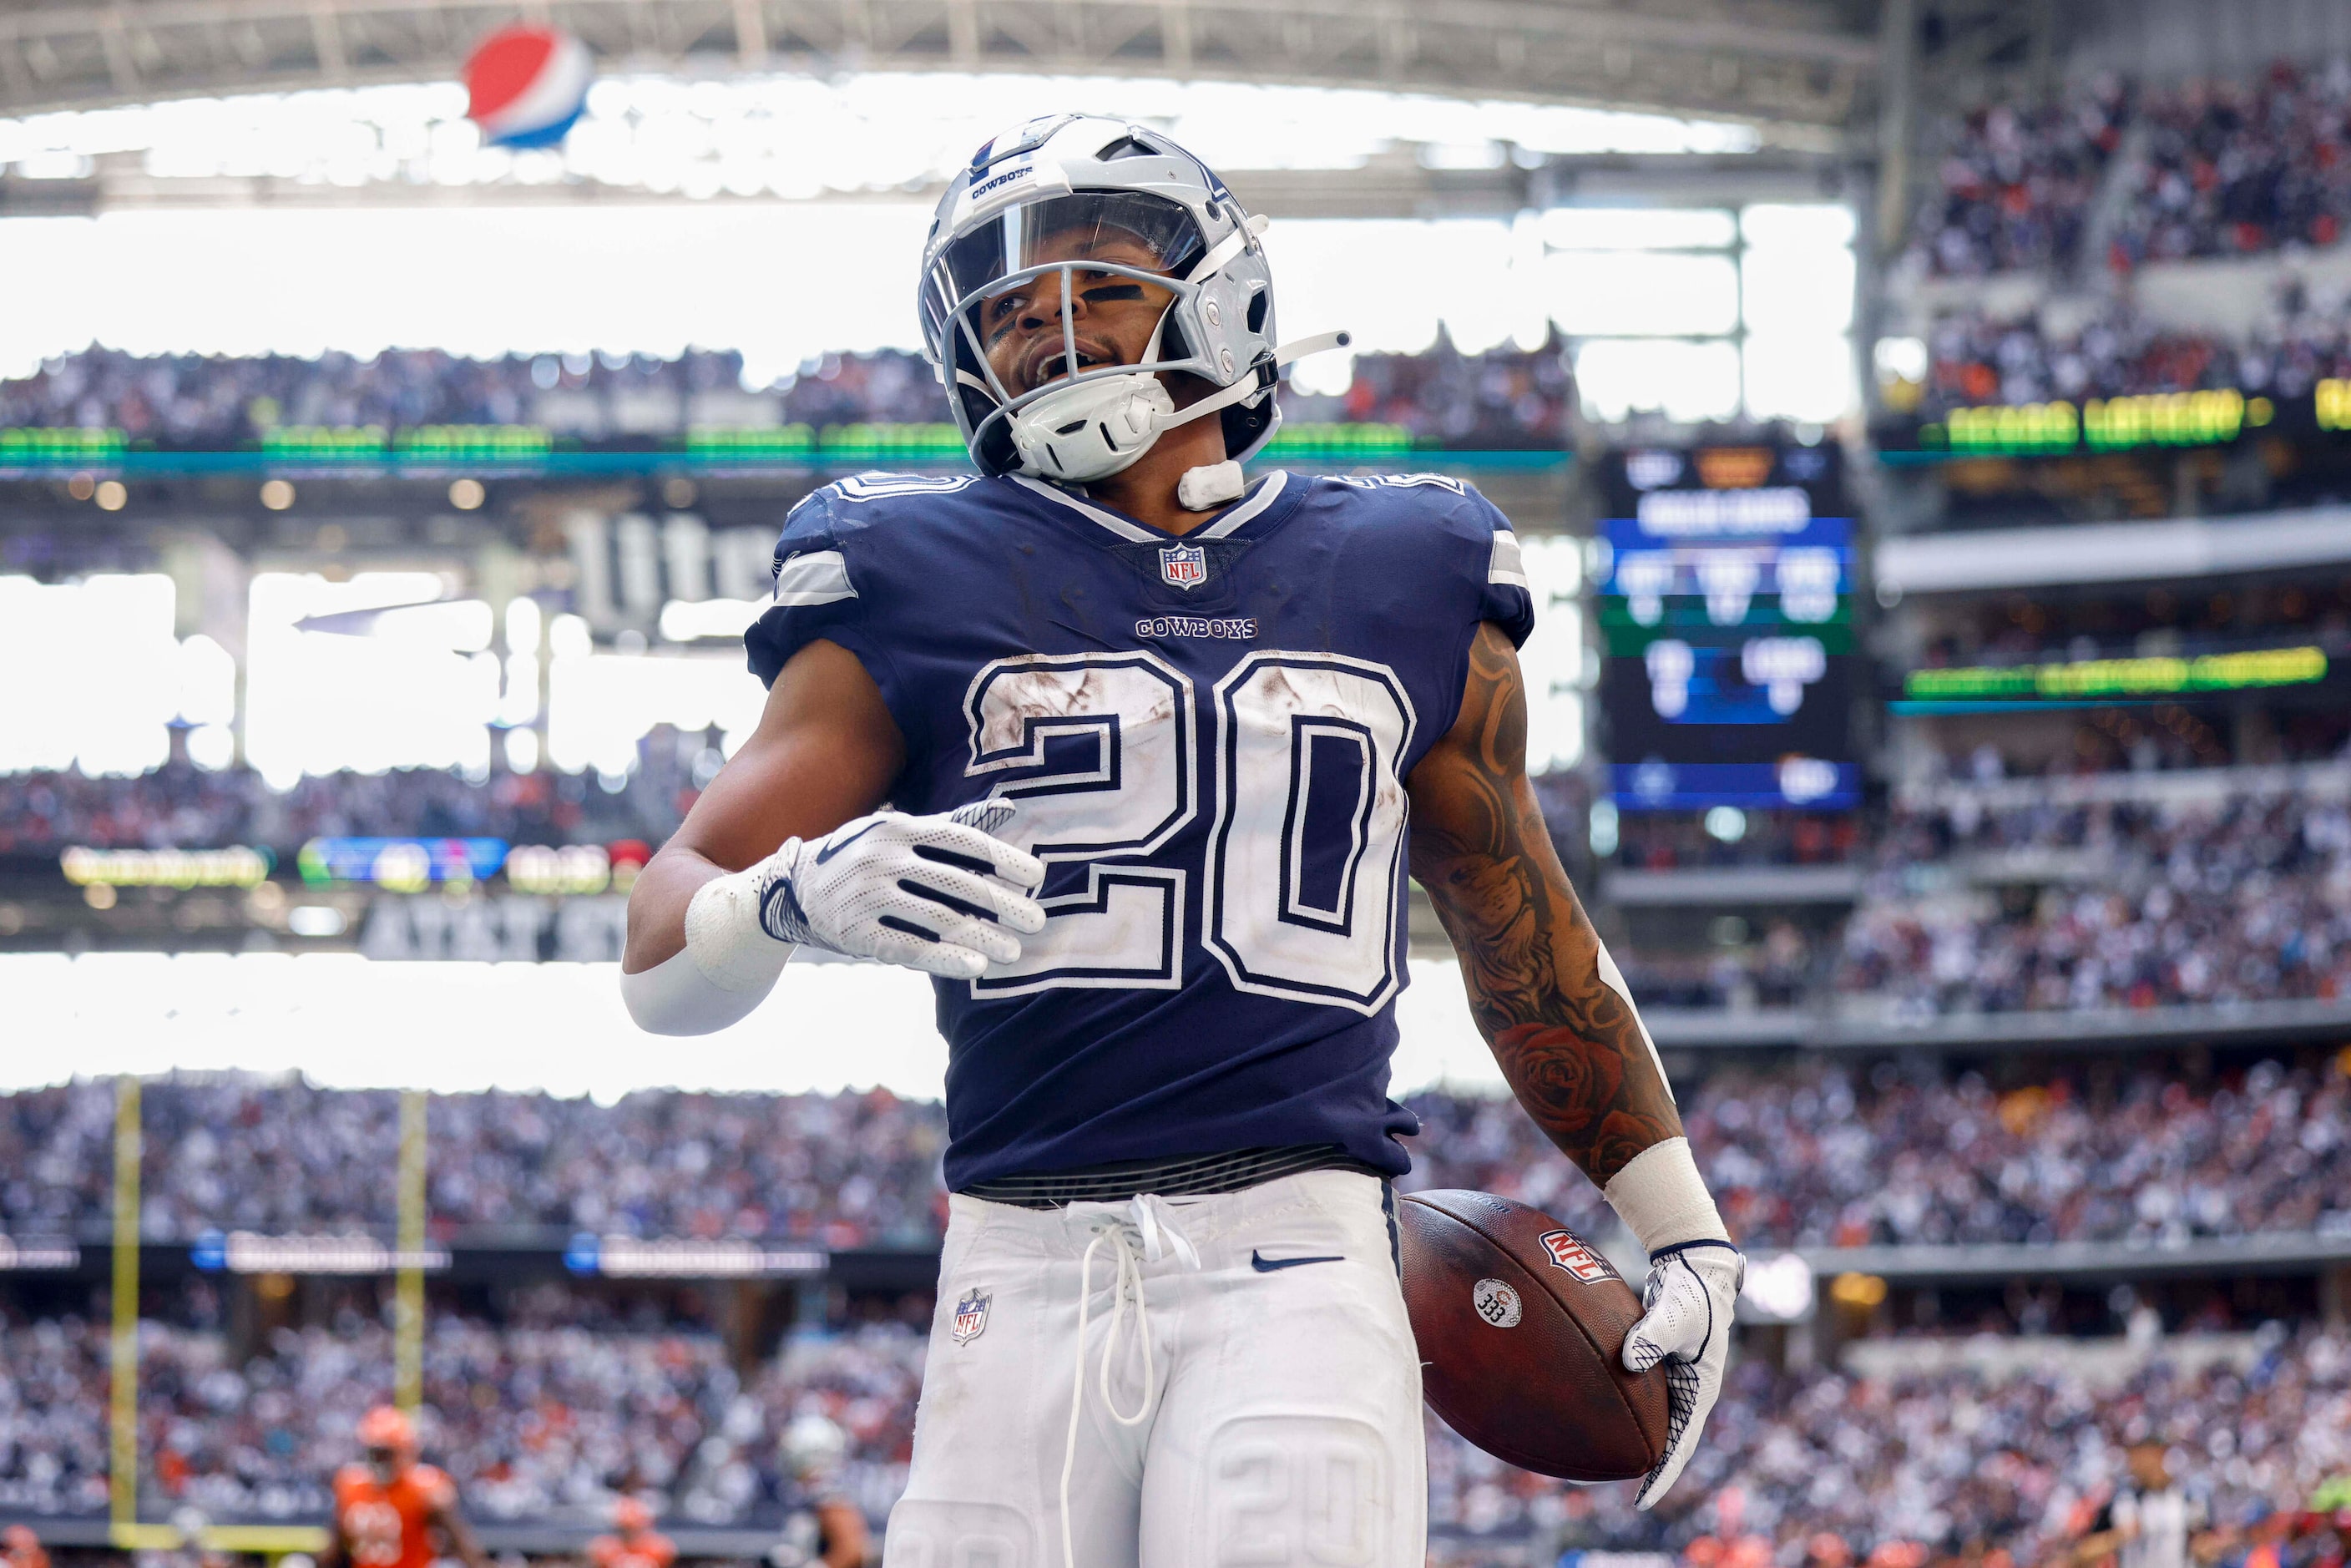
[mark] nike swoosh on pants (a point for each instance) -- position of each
(1265, 1265)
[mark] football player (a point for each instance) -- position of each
(634, 1542)
(20, 1547)
(823, 1528)
(1130, 753)
(389, 1508)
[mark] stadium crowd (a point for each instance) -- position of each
(185, 807)
(1824, 1157)
(194, 400)
(2223, 168)
(1667, 840)
(1824, 1466)
(547, 1414)
(1503, 398)
(2237, 168)
(1800, 1158)
(2014, 184)
(1738, 974)
(2235, 899)
(2162, 621)
(551, 1413)
(245, 1154)
(1976, 357)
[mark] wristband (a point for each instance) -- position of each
(1663, 1200)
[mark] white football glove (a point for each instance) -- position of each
(1693, 1291)
(935, 894)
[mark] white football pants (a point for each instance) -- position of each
(1270, 1418)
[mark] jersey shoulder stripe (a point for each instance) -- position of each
(812, 578)
(1507, 565)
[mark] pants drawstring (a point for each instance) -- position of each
(1147, 1221)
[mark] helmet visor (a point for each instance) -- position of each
(1033, 271)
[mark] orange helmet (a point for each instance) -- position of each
(386, 1428)
(631, 1517)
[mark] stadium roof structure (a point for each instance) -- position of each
(1797, 68)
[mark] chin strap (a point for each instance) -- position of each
(1246, 387)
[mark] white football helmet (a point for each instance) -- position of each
(1068, 177)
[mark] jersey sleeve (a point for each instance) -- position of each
(1505, 597)
(813, 589)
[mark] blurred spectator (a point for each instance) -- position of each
(2015, 183)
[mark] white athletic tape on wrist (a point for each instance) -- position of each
(1663, 1200)
(724, 933)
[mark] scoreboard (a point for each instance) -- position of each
(1725, 603)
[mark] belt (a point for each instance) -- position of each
(1185, 1175)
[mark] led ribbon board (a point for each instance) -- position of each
(2074, 682)
(2212, 417)
(521, 449)
(1726, 604)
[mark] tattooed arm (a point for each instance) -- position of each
(1567, 1040)
(1555, 1010)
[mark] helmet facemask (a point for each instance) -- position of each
(1022, 311)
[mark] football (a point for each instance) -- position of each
(1521, 1326)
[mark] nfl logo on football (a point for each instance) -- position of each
(971, 1317)
(1568, 1252)
(1183, 565)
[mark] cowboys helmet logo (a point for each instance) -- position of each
(1183, 565)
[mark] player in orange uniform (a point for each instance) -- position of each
(20, 1548)
(633, 1544)
(388, 1508)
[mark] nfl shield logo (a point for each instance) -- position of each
(1568, 1252)
(971, 1317)
(1183, 565)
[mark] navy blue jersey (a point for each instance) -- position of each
(1209, 739)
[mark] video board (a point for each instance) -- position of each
(1726, 606)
